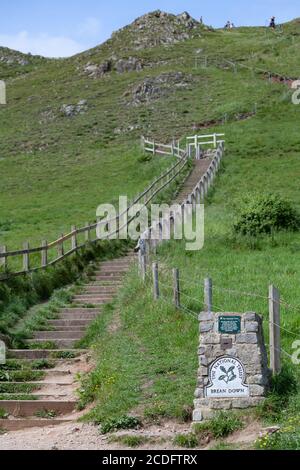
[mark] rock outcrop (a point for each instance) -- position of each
(155, 88)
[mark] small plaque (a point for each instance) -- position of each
(230, 325)
(227, 379)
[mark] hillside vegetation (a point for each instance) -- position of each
(70, 164)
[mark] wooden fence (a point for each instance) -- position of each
(197, 196)
(207, 61)
(77, 238)
(195, 142)
(177, 293)
(153, 147)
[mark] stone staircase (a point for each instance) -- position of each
(53, 400)
(200, 168)
(56, 392)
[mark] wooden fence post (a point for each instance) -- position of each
(153, 147)
(215, 141)
(26, 264)
(88, 232)
(74, 238)
(155, 281)
(142, 265)
(208, 295)
(60, 248)
(3, 261)
(44, 254)
(176, 288)
(274, 329)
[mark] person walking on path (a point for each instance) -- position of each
(272, 22)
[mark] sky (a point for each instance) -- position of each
(61, 28)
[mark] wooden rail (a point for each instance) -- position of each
(88, 231)
(197, 195)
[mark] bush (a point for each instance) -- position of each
(115, 424)
(222, 425)
(189, 441)
(282, 386)
(265, 214)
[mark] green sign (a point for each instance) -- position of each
(230, 325)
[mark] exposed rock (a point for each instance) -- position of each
(158, 28)
(119, 65)
(71, 110)
(152, 89)
(14, 60)
(130, 65)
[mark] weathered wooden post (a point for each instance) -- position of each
(153, 147)
(74, 237)
(176, 287)
(274, 329)
(3, 261)
(26, 264)
(60, 248)
(208, 292)
(142, 264)
(155, 281)
(87, 233)
(215, 141)
(44, 261)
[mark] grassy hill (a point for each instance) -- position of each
(56, 169)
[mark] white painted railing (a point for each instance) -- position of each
(196, 143)
(153, 147)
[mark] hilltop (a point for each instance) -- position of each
(69, 123)
(69, 140)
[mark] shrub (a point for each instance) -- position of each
(222, 425)
(282, 386)
(265, 214)
(115, 424)
(189, 441)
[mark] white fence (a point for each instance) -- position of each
(172, 149)
(197, 142)
(197, 196)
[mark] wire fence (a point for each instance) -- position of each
(174, 290)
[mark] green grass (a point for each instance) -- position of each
(148, 361)
(18, 397)
(18, 388)
(21, 375)
(131, 441)
(46, 414)
(188, 441)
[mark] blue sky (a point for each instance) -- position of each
(60, 28)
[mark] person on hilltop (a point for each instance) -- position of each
(272, 23)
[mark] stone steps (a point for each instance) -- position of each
(17, 424)
(100, 289)
(70, 323)
(54, 391)
(30, 354)
(78, 316)
(19, 408)
(62, 343)
(80, 310)
(53, 335)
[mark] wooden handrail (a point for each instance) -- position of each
(174, 171)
